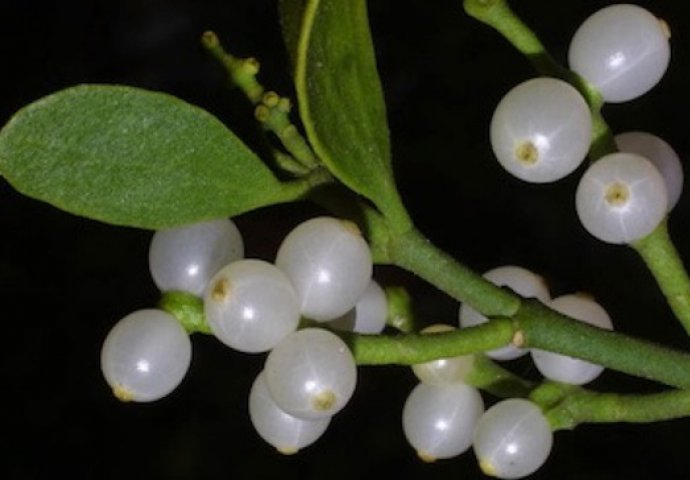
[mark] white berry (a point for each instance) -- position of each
(288, 434)
(145, 356)
(250, 305)
(512, 439)
(662, 156)
(311, 374)
(621, 198)
(562, 368)
(439, 421)
(330, 265)
(518, 279)
(185, 258)
(368, 316)
(622, 50)
(541, 130)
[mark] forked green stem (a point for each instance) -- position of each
(583, 406)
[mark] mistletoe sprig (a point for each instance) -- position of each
(132, 157)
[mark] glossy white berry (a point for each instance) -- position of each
(662, 156)
(563, 368)
(512, 439)
(145, 356)
(622, 50)
(368, 316)
(439, 421)
(251, 305)
(443, 371)
(185, 258)
(288, 434)
(541, 130)
(311, 374)
(621, 198)
(518, 279)
(330, 265)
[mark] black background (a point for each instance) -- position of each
(65, 281)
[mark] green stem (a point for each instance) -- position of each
(549, 330)
(187, 308)
(400, 315)
(416, 254)
(493, 378)
(413, 348)
(242, 71)
(662, 259)
(584, 406)
(273, 113)
(535, 326)
(498, 15)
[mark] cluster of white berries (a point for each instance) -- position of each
(541, 129)
(322, 272)
(443, 416)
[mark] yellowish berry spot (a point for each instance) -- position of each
(122, 393)
(617, 194)
(487, 467)
(665, 28)
(426, 457)
(221, 290)
(351, 227)
(519, 339)
(323, 401)
(527, 154)
(287, 450)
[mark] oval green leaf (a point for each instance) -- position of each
(133, 157)
(340, 97)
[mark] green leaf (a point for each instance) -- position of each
(340, 97)
(133, 157)
(291, 13)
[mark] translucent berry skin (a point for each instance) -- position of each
(443, 371)
(369, 314)
(565, 369)
(439, 421)
(311, 374)
(622, 50)
(621, 198)
(522, 281)
(288, 434)
(185, 258)
(251, 305)
(330, 265)
(145, 356)
(512, 439)
(662, 156)
(541, 130)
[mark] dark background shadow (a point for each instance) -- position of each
(65, 280)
